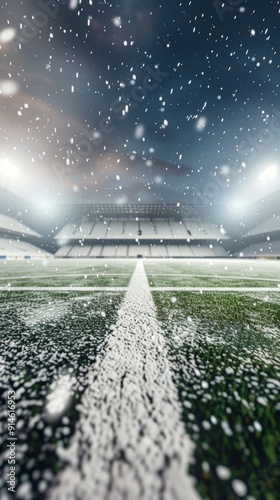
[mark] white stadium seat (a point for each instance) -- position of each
(65, 232)
(219, 251)
(178, 230)
(174, 251)
(186, 251)
(10, 225)
(105, 238)
(63, 251)
(80, 251)
(14, 248)
(109, 251)
(99, 230)
(159, 251)
(265, 248)
(121, 251)
(123, 230)
(269, 226)
(155, 230)
(95, 251)
(136, 250)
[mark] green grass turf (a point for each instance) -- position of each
(224, 349)
(207, 272)
(225, 352)
(76, 272)
(45, 336)
(86, 280)
(193, 281)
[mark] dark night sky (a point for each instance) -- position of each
(211, 91)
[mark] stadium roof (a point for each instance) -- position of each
(149, 211)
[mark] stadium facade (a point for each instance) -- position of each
(135, 230)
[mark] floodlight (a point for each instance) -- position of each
(269, 174)
(201, 123)
(8, 88)
(73, 4)
(9, 170)
(7, 35)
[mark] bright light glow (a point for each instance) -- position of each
(201, 123)
(47, 205)
(158, 179)
(73, 4)
(8, 169)
(117, 21)
(121, 200)
(44, 204)
(139, 131)
(225, 169)
(238, 206)
(9, 87)
(7, 35)
(269, 174)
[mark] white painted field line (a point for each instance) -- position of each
(214, 289)
(130, 442)
(62, 288)
(212, 276)
(124, 288)
(104, 275)
(72, 275)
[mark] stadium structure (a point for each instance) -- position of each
(140, 347)
(136, 230)
(139, 250)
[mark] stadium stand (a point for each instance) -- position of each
(262, 249)
(145, 251)
(99, 230)
(80, 251)
(8, 225)
(178, 229)
(270, 226)
(14, 236)
(219, 251)
(109, 251)
(95, 251)
(139, 250)
(136, 230)
(65, 232)
(155, 231)
(142, 230)
(185, 250)
(203, 231)
(123, 230)
(110, 230)
(63, 251)
(10, 248)
(122, 251)
(159, 251)
(174, 251)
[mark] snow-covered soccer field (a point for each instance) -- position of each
(154, 379)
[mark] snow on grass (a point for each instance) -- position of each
(130, 441)
(225, 353)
